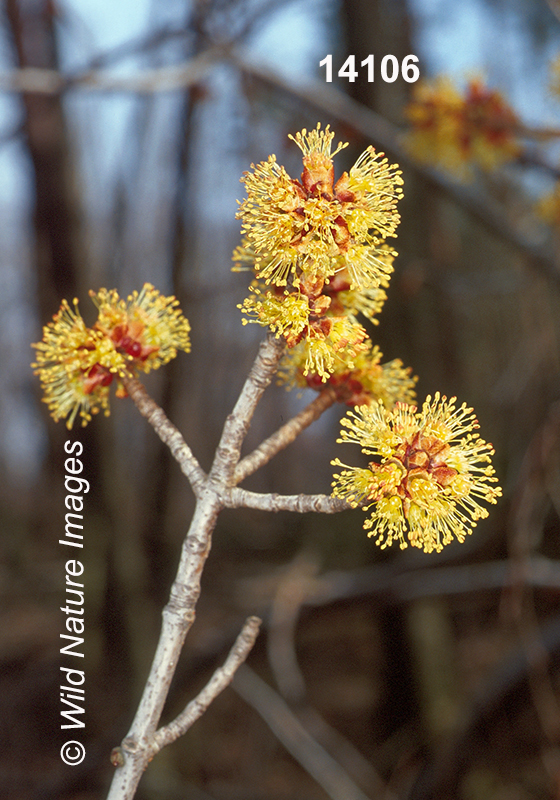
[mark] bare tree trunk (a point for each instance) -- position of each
(56, 213)
(378, 28)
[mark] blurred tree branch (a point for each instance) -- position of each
(401, 585)
(43, 81)
(288, 729)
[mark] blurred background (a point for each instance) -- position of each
(414, 676)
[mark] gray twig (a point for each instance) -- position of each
(238, 422)
(300, 503)
(159, 79)
(288, 729)
(221, 678)
(167, 432)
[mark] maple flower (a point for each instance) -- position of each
(548, 207)
(344, 300)
(432, 469)
(147, 329)
(368, 301)
(304, 316)
(365, 381)
(76, 365)
(555, 76)
(454, 131)
(312, 227)
(318, 318)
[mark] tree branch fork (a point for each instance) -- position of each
(214, 491)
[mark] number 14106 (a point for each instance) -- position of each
(390, 68)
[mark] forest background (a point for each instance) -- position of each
(423, 676)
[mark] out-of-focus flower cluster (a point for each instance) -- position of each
(548, 207)
(463, 132)
(554, 83)
(430, 472)
(457, 131)
(77, 364)
(320, 258)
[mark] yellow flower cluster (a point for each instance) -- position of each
(361, 381)
(300, 230)
(431, 471)
(555, 76)
(456, 131)
(319, 259)
(77, 364)
(548, 207)
(318, 252)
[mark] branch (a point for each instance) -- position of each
(159, 79)
(284, 436)
(221, 678)
(300, 503)
(554, 6)
(410, 584)
(238, 422)
(167, 432)
(539, 134)
(288, 729)
(178, 615)
(285, 608)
